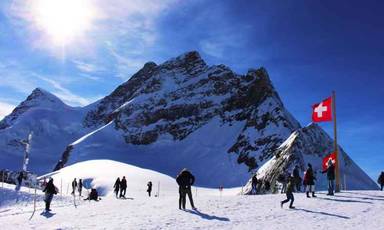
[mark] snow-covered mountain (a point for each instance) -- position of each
(184, 113)
(53, 123)
(181, 113)
(310, 145)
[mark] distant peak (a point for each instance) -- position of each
(41, 97)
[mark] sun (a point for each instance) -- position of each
(63, 20)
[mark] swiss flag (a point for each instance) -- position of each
(326, 159)
(322, 111)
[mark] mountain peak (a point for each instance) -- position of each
(191, 62)
(40, 97)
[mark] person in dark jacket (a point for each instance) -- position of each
(296, 178)
(80, 186)
(380, 180)
(49, 190)
(94, 195)
(254, 185)
(74, 185)
(185, 180)
(289, 193)
(309, 180)
(149, 189)
(331, 177)
(19, 181)
(116, 186)
(123, 187)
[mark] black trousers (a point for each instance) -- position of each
(183, 192)
(122, 192)
(289, 198)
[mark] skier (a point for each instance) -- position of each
(309, 180)
(254, 185)
(331, 177)
(185, 180)
(74, 185)
(116, 186)
(149, 190)
(49, 190)
(80, 186)
(380, 180)
(289, 193)
(296, 178)
(123, 187)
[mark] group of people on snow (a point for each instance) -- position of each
(291, 182)
(78, 186)
(120, 185)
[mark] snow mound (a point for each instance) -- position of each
(102, 174)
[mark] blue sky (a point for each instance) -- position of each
(308, 47)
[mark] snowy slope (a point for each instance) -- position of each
(347, 210)
(53, 123)
(310, 145)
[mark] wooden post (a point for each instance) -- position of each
(337, 189)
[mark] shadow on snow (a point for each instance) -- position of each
(323, 213)
(206, 216)
(346, 201)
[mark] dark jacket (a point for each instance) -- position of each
(50, 188)
(123, 183)
(149, 186)
(74, 184)
(117, 185)
(296, 173)
(330, 172)
(254, 181)
(289, 186)
(185, 179)
(309, 177)
(380, 180)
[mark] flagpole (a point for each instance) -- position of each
(335, 141)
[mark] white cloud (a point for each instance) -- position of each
(5, 109)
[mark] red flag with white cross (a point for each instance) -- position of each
(322, 111)
(326, 159)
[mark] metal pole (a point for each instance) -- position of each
(335, 142)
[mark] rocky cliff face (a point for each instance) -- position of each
(183, 94)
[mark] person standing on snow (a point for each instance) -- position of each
(116, 186)
(296, 178)
(49, 190)
(149, 189)
(380, 180)
(309, 180)
(74, 185)
(331, 177)
(123, 187)
(289, 193)
(185, 180)
(254, 185)
(19, 181)
(80, 186)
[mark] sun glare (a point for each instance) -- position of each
(63, 20)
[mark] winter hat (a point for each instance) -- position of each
(309, 165)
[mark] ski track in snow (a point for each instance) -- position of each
(346, 210)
